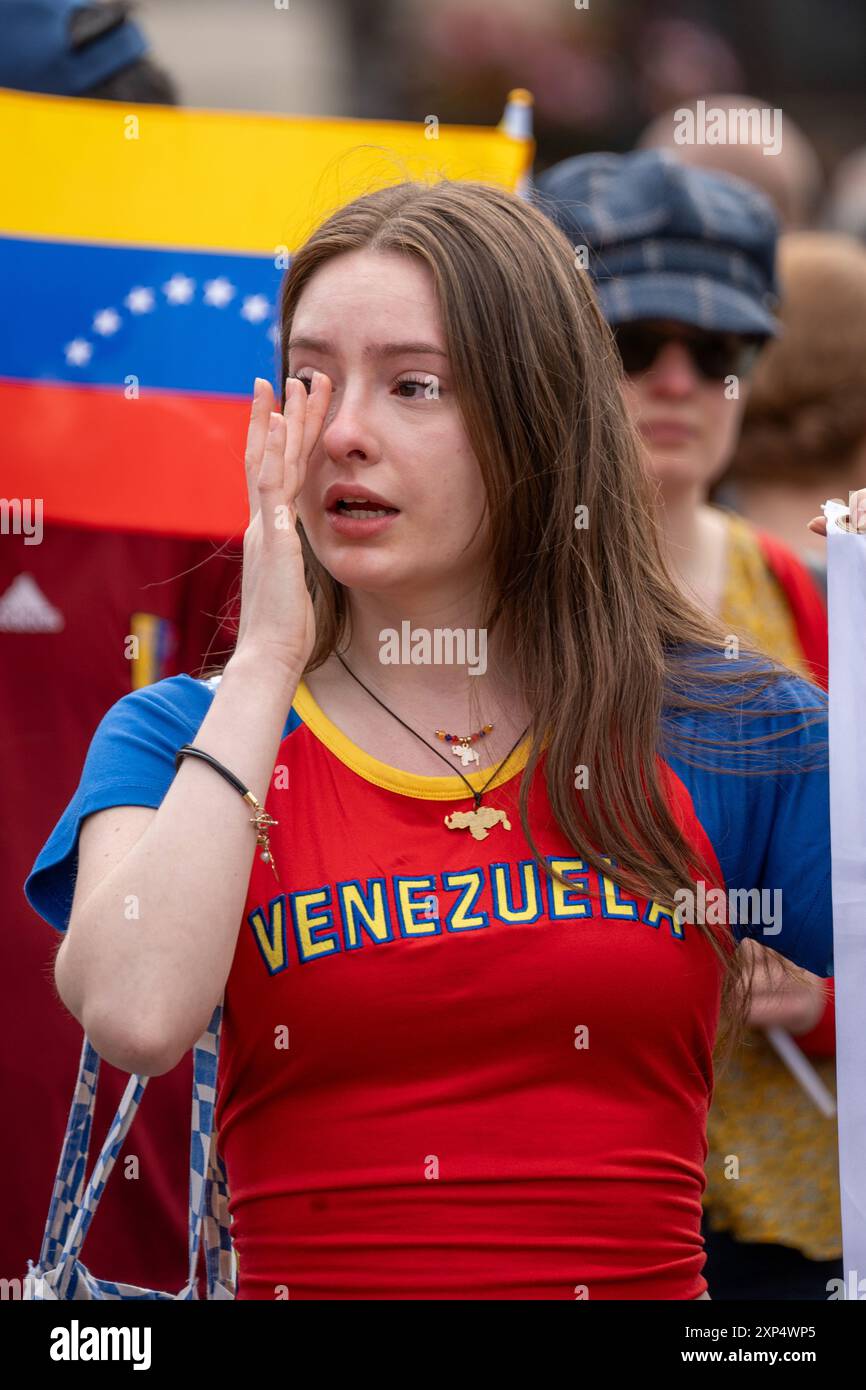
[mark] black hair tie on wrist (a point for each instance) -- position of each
(261, 820)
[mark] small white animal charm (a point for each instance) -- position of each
(465, 751)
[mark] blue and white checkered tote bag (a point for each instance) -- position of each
(60, 1275)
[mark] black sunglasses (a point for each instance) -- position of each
(716, 355)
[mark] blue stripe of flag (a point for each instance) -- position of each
(178, 320)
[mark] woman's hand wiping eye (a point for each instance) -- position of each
(277, 616)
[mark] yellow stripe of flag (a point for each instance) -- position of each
(236, 181)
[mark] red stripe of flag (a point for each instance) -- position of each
(164, 462)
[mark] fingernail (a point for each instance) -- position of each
(274, 424)
(257, 387)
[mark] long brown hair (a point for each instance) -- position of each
(602, 641)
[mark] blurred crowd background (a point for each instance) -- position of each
(598, 74)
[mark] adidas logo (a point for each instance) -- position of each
(24, 608)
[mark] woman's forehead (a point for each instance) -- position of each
(378, 272)
(365, 293)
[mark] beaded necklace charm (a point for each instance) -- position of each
(462, 743)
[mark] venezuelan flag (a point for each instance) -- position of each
(141, 252)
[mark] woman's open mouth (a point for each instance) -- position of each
(352, 516)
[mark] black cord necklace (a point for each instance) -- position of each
(479, 820)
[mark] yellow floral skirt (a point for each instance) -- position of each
(773, 1167)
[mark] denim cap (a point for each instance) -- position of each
(65, 47)
(668, 241)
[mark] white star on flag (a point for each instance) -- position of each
(139, 300)
(78, 352)
(255, 308)
(218, 292)
(179, 289)
(106, 322)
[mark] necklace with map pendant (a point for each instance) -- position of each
(481, 819)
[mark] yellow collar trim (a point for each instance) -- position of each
(393, 778)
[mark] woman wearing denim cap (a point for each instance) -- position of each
(684, 265)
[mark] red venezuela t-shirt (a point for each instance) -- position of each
(443, 1074)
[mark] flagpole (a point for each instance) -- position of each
(802, 1070)
(517, 122)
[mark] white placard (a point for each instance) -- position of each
(846, 596)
